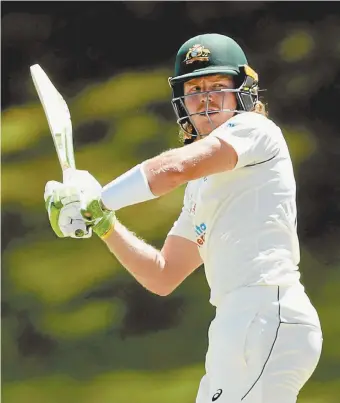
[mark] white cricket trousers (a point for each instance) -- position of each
(264, 344)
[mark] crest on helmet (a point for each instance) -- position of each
(197, 53)
(251, 73)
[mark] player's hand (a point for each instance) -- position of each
(63, 205)
(96, 216)
(78, 198)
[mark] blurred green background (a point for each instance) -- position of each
(76, 328)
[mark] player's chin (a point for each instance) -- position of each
(206, 126)
(205, 130)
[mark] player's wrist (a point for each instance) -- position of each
(106, 225)
(128, 189)
(99, 218)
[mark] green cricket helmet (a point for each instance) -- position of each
(210, 54)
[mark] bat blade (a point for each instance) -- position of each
(57, 114)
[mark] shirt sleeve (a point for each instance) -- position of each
(254, 140)
(183, 226)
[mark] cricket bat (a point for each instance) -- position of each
(59, 121)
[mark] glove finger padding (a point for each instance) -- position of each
(53, 215)
(66, 194)
(96, 216)
(85, 181)
(92, 212)
(71, 222)
(66, 221)
(90, 189)
(50, 188)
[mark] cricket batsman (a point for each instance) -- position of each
(239, 219)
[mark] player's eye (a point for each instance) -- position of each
(195, 88)
(220, 86)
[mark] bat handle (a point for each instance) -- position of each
(68, 174)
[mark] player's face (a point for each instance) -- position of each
(215, 101)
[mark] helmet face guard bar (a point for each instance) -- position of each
(184, 116)
(246, 97)
(245, 103)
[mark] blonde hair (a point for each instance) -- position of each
(260, 108)
(185, 133)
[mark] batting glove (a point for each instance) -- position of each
(78, 199)
(63, 206)
(97, 217)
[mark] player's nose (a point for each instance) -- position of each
(206, 97)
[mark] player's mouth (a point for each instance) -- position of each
(208, 112)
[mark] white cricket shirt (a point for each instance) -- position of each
(244, 220)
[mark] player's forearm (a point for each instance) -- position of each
(175, 167)
(165, 172)
(162, 174)
(181, 165)
(143, 261)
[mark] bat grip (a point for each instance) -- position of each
(68, 174)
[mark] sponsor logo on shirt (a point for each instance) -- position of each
(200, 232)
(217, 395)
